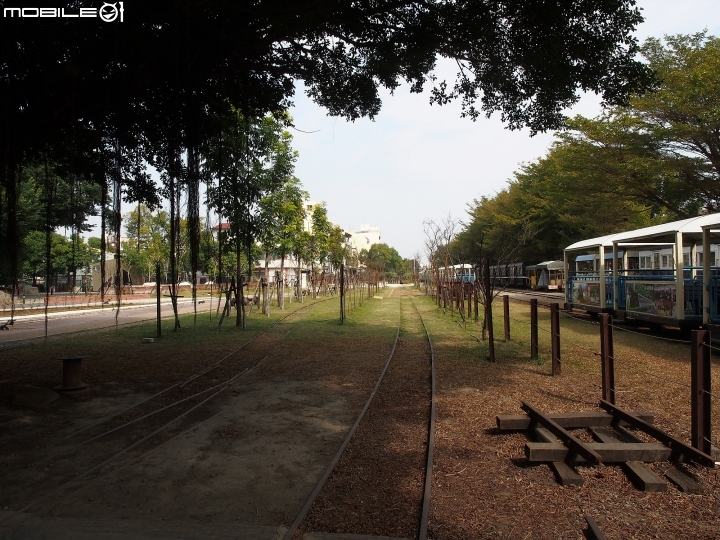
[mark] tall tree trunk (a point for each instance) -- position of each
(240, 297)
(103, 230)
(49, 195)
(266, 303)
(174, 222)
(13, 241)
(193, 231)
(117, 181)
(281, 282)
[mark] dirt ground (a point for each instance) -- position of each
(245, 461)
(242, 464)
(483, 487)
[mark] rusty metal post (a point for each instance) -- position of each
(469, 300)
(488, 310)
(475, 299)
(700, 387)
(157, 289)
(555, 337)
(506, 316)
(533, 329)
(607, 358)
(342, 293)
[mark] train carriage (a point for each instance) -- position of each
(548, 275)
(657, 274)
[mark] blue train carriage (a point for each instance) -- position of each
(458, 272)
(657, 274)
(548, 276)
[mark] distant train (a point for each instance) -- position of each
(548, 275)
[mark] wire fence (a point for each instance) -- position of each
(638, 389)
(631, 366)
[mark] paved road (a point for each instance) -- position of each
(33, 326)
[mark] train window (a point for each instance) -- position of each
(686, 259)
(656, 260)
(664, 261)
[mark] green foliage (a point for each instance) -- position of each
(34, 251)
(650, 162)
(281, 216)
(100, 101)
(386, 260)
(252, 159)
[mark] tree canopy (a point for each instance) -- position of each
(101, 100)
(655, 160)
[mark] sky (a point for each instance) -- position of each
(416, 161)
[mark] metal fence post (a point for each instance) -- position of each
(158, 288)
(700, 388)
(607, 358)
(555, 338)
(533, 329)
(488, 310)
(506, 316)
(342, 293)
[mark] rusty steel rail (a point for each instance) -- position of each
(217, 389)
(430, 445)
(575, 445)
(424, 516)
(191, 378)
(675, 444)
(328, 471)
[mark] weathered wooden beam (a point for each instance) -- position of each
(643, 478)
(683, 481)
(593, 532)
(678, 446)
(607, 452)
(564, 473)
(626, 435)
(577, 446)
(571, 420)
(639, 474)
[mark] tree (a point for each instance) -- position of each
(386, 260)
(281, 216)
(119, 106)
(683, 112)
(317, 245)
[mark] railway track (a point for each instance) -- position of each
(378, 482)
(133, 432)
(544, 297)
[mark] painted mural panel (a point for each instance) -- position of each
(651, 298)
(586, 292)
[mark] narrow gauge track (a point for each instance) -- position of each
(378, 482)
(177, 405)
(546, 298)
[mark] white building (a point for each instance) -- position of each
(364, 238)
(307, 222)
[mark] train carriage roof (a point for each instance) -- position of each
(552, 265)
(691, 226)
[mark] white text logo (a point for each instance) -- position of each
(107, 13)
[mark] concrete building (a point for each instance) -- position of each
(307, 222)
(290, 271)
(363, 238)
